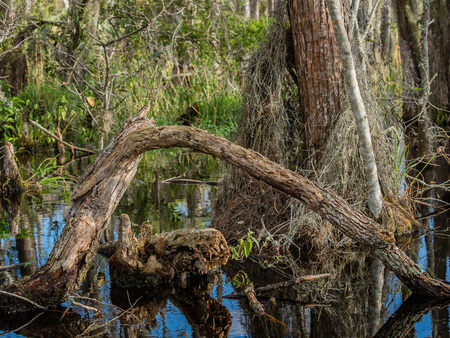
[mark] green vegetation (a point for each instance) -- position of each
(244, 247)
(89, 67)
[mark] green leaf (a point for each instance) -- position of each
(247, 248)
(28, 263)
(255, 241)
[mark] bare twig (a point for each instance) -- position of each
(121, 38)
(278, 285)
(369, 21)
(109, 321)
(87, 307)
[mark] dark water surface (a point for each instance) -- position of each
(343, 306)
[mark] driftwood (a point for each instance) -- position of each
(60, 140)
(149, 260)
(278, 285)
(102, 185)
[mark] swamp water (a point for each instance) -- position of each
(342, 306)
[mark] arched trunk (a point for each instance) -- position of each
(102, 185)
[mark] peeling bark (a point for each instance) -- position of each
(102, 185)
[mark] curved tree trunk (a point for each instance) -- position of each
(102, 185)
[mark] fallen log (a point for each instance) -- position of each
(150, 260)
(102, 185)
(298, 280)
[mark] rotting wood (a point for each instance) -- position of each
(102, 185)
(149, 260)
(60, 140)
(298, 280)
(255, 305)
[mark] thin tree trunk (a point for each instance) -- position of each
(439, 56)
(254, 9)
(247, 9)
(102, 185)
(375, 198)
(376, 296)
(424, 146)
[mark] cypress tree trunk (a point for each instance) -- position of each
(318, 67)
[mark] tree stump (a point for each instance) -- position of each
(149, 260)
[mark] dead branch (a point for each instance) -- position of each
(23, 326)
(89, 308)
(255, 305)
(186, 181)
(278, 285)
(23, 298)
(12, 266)
(71, 146)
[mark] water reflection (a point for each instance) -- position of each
(357, 302)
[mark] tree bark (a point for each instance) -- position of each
(318, 67)
(439, 56)
(102, 185)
